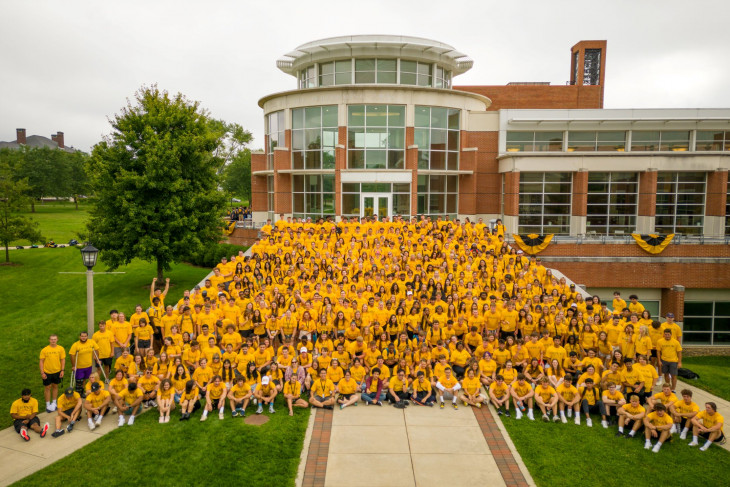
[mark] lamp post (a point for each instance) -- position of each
(89, 255)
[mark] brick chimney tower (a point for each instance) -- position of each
(59, 140)
(20, 136)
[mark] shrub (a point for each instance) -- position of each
(211, 255)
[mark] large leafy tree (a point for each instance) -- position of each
(155, 178)
(13, 199)
(237, 175)
(44, 170)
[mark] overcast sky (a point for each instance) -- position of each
(68, 65)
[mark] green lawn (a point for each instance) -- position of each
(561, 454)
(714, 374)
(58, 221)
(216, 452)
(39, 301)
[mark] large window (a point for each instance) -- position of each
(314, 137)
(612, 202)
(680, 202)
(376, 136)
(374, 70)
(442, 78)
(275, 132)
(706, 323)
(335, 73)
(415, 73)
(313, 195)
(308, 77)
(437, 137)
(712, 140)
(351, 193)
(534, 141)
(438, 195)
(647, 140)
(545, 202)
(597, 141)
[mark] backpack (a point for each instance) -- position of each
(400, 405)
(687, 374)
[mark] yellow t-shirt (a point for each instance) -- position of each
(657, 420)
(684, 408)
(148, 384)
(294, 390)
(323, 388)
(52, 357)
(664, 399)
(521, 389)
(498, 390)
(546, 393)
(241, 390)
(710, 421)
(567, 391)
(25, 408)
(65, 403)
(448, 383)
(104, 340)
(97, 399)
(118, 385)
(633, 410)
(216, 392)
(347, 386)
(130, 397)
(669, 349)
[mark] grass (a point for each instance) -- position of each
(58, 221)
(39, 301)
(227, 452)
(556, 452)
(714, 374)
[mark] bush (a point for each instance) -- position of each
(211, 256)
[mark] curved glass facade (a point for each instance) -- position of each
(314, 137)
(376, 136)
(436, 134)
(389, 71)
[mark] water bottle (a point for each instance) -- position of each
(522, 406)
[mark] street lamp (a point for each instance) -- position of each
(89, 255)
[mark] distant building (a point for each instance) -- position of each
(36, 141)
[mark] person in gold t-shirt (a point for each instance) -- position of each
(708, 424)
(657, 424)
(631, 416)
(293, 394)
(323, 391)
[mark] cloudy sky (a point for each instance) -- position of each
(68, 65)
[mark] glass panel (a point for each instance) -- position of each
(312, 139)
(297, 140)
(364, 64)
(436, 203)
(351, 204)
(368, 205)
(423, 116)
(438, 160)
(313, 117)
(343, 78)
(364, 77)
(422, 184)
(396, 138)
(422, 159)
(698, 308)
(454, 118)
(297, 118)
(453, 161)
(396, 115)
(439, 117)
(377, 115)
(401, 204)
(356, 116)
(696, 338)
(329, 116)
(355, 159)
(386, 64)
(297, 183)
(376, 187)
(299, 202)
(722, 308)
(407, 78)
(350, 187)
(396, 159)
(438, 184)
(408, 66)
(697, 324)
(297, 160)
(387, 77)
(453, 140)
(722, 324)
(401, 188)
(375, 159)
(451, 203)
(383, 206)
(438, 139)
(421, 138)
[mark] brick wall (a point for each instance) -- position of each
(716, 193)
(243, 236)
(632, 250)
(488, 181)
(698, 351)
(539, 96)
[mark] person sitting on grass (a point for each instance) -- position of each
(708, 424)
(631, 416)
(683, 411)
(499, 395)
(24, 412)
(190, 400)
(471, 390)
(665, 396)
(131, 398)
(239, 396)
(266, 393)
(522, 393)
(347, 390)
(96, 405)
(165, 400)
(323, 392)
(149, 383)
(591, 403)
(293, 394)
(547, 400)
(612, 399)
(422, 390)
(69, 409)
(568, 398)
(215, 398)
(658, 424)
(447, 388)
(373, 391)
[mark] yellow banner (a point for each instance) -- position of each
(533, 244)
(654, 244)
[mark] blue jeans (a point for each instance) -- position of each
(370, 396)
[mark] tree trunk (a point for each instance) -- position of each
(160, 276)
(32, 205)
(76, 200)
(7, 252)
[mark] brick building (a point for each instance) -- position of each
(376, 126)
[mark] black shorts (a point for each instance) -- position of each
(719, 439)
(346, 396)
(107, 361)
(68, 412)
(18, 424)
(217, 403)
(653, 353)
(52, 379)
(144, 343)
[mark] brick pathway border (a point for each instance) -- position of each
(319, 445)
(506, 462)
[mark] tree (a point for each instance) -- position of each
(13, 199)
(155, 178)
(237, 175)
(234, 140)
(77, 182)
(44, 172)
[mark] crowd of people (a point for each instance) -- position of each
(405, 312)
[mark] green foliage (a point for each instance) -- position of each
(58, 221)
(43, 301)
(237, 175)
(714, 374)
(155, 178)
(13, 198)
(211, 255)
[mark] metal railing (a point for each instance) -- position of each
(590, 238)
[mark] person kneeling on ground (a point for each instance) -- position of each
(323, 392)
(24, 412)
(69, 409)
(631, 415)
(267, 393)
(658, 424)
(293, 394)
(347, 389)
(448, 388)
(96, 405)
(130, 400)
(422, 391)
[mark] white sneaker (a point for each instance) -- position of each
(563, 419)
(570, 413)
(656, 448)
(271, 408)
(693, 443)
(647, 445)
(54, 405)
(121, 421)
(92, 425)
(220, 415)
(589, 422)
(99, 417)
(704, 447)
(604, 423)
(114, 409)
(518, 414)
(162, 419)
(530, 416)
(673, 429)
(130, 422)
(577, 419)
(203, 418)
(545, 418)
(683, 435)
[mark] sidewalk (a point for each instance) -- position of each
(700, 397)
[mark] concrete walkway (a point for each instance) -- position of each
(700, 397)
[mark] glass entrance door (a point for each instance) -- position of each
(375, 204)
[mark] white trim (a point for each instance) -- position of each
(383, 176)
